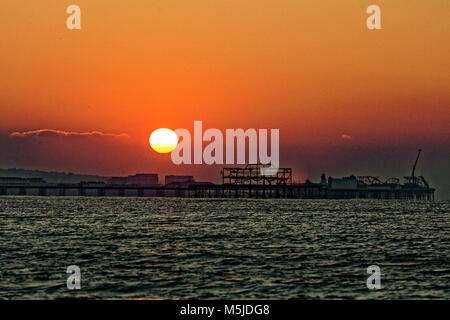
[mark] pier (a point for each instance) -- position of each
(237, 182)
(307, 191)
(251, 191)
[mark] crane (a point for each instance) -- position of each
(412, 180)
(414, 166)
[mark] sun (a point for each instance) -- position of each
(163, 140)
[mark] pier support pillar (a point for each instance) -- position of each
(42, 191)
(160, 193)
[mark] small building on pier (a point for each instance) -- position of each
(173, 180)
(141, 179)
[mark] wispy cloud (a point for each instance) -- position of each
(346, 136)
(61, 133)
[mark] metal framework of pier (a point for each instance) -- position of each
(251, 175)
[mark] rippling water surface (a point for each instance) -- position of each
(156, 248)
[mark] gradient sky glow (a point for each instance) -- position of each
(346, 99)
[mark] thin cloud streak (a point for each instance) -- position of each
(61, 133)
(346, 136)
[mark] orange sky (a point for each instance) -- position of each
(310, 68)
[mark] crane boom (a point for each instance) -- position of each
(415, 164)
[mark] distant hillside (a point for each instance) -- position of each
(51, 177)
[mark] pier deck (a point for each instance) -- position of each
(257, 191)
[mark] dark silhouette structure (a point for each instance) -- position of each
(251, 175)
(244, 182)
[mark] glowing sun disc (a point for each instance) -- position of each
(163, 140)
